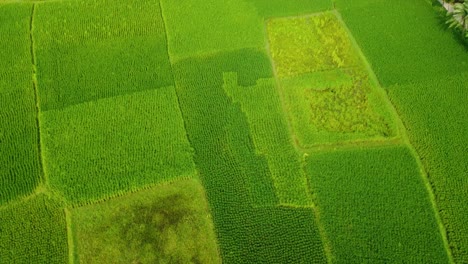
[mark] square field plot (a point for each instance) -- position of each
(169, 223)
(33, 231)
(374, 206)
(329, 94)
(205, 26)
(88, 50)
(101, 148)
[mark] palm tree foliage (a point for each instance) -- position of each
(458, 19)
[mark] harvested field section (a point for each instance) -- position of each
(271, 137)
(329, 94)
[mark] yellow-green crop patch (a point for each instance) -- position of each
(280, 8)
(329, 94)
(169, 223)
(307, 44)
(102, 148)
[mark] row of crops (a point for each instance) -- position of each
(33, 230)
(374, 206)
(19, 154)
(101, 130)
(372, 202)
(235, 175)
(238, 131)
(424, 70)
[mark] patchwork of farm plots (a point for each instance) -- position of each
(238, 131)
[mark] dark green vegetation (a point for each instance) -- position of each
(235, 176)
(427, 82)
(457, 19)
(239, 131)
(403, 40)
(19, 158)
(33, 230)
(124, 50)
(374, 206)
(166, 224)
(270, 135)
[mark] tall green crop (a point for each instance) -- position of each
(235, 175)
(425, 72)
(271, 136)
(107, 147)
(20, 170)
(200, 27)
(33, 230)
(87, 50)
(374, 206)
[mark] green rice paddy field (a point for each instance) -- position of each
(231, 131)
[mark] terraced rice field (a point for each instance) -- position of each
(237, 131)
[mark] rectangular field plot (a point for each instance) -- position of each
(233, 168)
(440, 137)
(15, 54)
(217, 127)
(269, 129)
(306, 44)
(169, 223)
(198, 27)
(375, 207)
(329, 94)
(396, 38)
(33, 231)
(20, 170)
(336, 106)
(88, 50)
(101, 148)
(281, 8)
